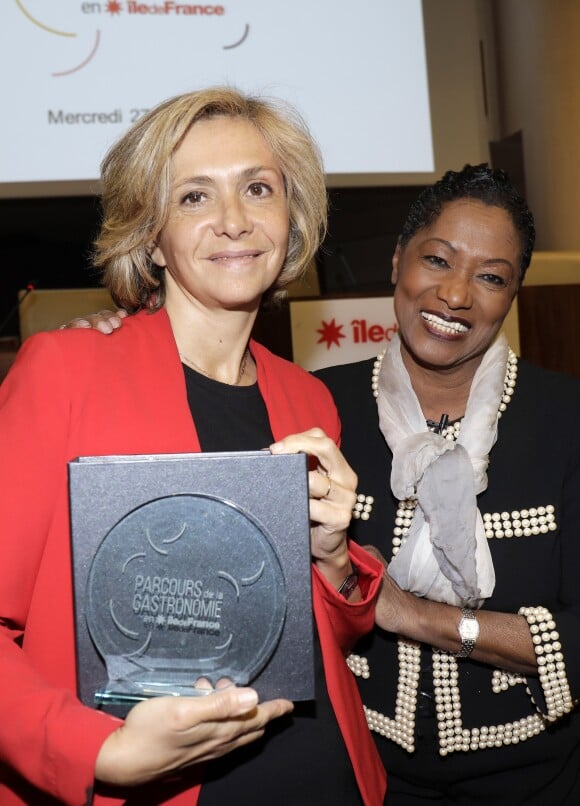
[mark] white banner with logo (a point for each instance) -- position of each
(337, 331)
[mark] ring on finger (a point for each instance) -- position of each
(327, 493)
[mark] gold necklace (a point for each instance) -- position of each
(196, 367)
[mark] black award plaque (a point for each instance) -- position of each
(191, 566)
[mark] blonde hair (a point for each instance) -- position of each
(136, 177)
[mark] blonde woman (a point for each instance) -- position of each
(212, 203)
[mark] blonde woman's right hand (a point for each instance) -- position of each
(164, 734)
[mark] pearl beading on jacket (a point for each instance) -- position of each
(523, 523)
(401, 729)
(363, 507)
(550, 660)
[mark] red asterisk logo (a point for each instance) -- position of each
(113, 7)
(330, 332)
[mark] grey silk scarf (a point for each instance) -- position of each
(445, 556)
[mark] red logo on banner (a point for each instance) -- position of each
(330, 333)
(361, 332)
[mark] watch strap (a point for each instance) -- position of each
(350, 583)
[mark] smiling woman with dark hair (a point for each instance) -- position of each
(469, 475)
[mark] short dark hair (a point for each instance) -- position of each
(482, 183)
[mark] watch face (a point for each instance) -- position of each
(469, 629)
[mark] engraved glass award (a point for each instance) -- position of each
(180, 567)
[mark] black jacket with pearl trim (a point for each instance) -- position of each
(458, 727)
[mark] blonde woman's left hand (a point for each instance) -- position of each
(332, 488)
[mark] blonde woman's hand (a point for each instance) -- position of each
(165, 734)
(332, 488)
